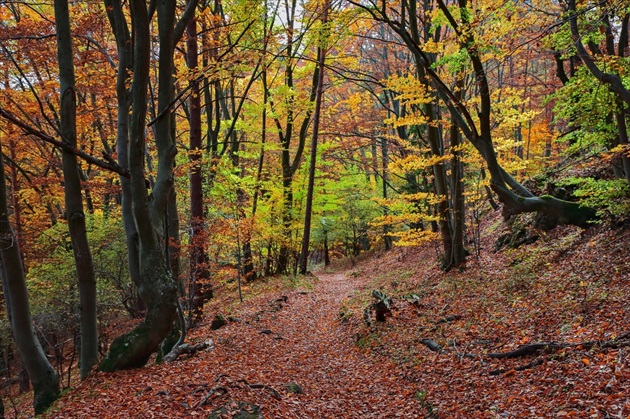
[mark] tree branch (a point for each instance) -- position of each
(109, 165)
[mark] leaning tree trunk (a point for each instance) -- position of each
(42, 374)
(513, 195)
(73, 197)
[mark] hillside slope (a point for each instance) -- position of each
(569, 287)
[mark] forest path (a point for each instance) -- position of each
(308, 345)
(273, 340)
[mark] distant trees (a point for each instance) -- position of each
(441, 80)
(606, 63)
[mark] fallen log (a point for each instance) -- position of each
(186, 348)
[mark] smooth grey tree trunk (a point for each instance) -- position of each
(73, 194)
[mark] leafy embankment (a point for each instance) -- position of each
(311, 349)
(537, 331)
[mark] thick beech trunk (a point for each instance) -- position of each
(134, 349)
(156, 285)
(42, 374)
(73, 196)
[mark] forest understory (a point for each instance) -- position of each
(309, 347)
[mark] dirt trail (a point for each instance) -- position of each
(271, 344)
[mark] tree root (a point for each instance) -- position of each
(531, 349)
(532, 364)
(212, 391)
(549, 347)
(223, 389)
(273, 391)
(534, 348)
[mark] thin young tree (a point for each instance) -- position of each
(321, 61)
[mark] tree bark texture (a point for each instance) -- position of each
(321, 52)
(73, 194)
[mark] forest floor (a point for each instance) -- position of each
(301, 348)
(272, 344)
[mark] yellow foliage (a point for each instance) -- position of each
(414, 237)
(410, 90)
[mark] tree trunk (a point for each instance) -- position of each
(321, 52)
(15, 192)
(385, 175)
(173, 243)
(157, 288)
(73, 196)
(326, 250)
(457, 190)
(119, 26)
(42, 374)
(622, 129)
